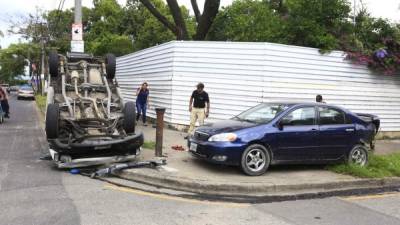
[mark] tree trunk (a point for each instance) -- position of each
(204, 20)
(178, 19)
(159, 16)
(209, 13)
(196, 10)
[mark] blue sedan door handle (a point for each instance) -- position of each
(350, 129)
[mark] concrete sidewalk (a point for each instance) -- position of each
(183, 172)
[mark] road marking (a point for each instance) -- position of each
(366, 197)
(174, 198)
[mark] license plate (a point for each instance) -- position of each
(102, 147)
(193, 147)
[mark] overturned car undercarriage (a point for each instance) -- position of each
(87, 121)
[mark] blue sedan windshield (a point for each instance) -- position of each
(262, 113)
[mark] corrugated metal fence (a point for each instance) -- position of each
(239, 75)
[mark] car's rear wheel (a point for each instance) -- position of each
(358, 156)
(110, 66)
(129, 117)
(54, 63)
(255, 160)
(52, 121)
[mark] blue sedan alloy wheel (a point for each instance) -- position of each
(358, 156)
(255, 160)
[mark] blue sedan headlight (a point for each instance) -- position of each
(223, 137)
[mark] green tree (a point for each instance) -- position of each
(59, 25)
(1, 35)
(14, 59)
(248, 20)
(371, 32)
(144, 28)
(105, 31)
(376, 43)
(317, 23)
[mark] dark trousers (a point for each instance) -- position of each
(5, 106)
(141, 109)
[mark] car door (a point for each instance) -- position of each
(298, 135)
(335, 132)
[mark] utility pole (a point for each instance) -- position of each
(77, 44)
(354, 12)
(78, 11)
(41, 88)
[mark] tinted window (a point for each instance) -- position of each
(331, 116)
(300, 117)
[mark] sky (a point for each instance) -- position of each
(13, 8)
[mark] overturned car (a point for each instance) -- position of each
(87, 121)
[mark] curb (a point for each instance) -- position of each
(254, 190)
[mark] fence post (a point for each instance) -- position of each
(159, 131)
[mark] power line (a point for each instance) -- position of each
(59, 10)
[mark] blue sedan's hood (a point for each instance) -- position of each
(225, 126)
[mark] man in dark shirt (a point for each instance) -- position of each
(199, 107)
(319, 99)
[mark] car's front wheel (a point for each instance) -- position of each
(255, 160)
(358, 156)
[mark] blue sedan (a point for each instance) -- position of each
(286, 133)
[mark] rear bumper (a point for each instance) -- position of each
(123, 146)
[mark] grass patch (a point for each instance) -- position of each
(379, 166)
(149, 145)
(41, 102)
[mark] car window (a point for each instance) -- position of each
(328, 116)
(300, 117)
(261, 113)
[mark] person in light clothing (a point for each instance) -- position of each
(199, 107)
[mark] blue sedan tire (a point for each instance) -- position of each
(358, 156)
(255, 160)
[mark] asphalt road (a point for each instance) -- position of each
(34, 192)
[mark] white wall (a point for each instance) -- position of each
(238, 75)
(153, 65)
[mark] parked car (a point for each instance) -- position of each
(14, 88)
(286, 133)
(25, 92)
(87, 120)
